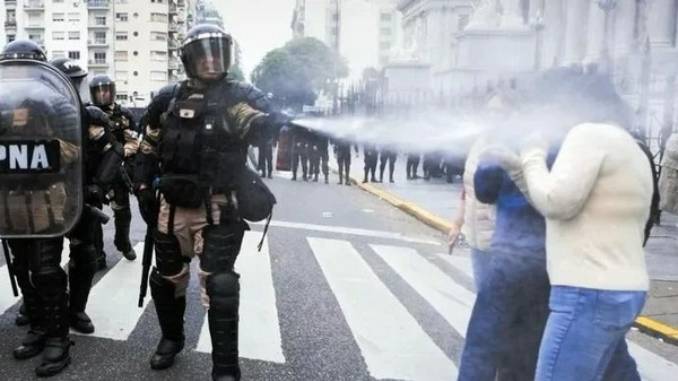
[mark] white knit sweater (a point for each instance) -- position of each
(596, 200)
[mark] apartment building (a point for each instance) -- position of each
(363, 31)
(136, 42)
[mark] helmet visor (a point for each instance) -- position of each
(209, 58)
(103, 94)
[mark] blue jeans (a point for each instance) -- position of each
(584, 336)
(480, 261)
(507, 320)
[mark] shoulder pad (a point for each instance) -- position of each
(164, 96)
(96, 116)
(251, 94)
(167, 90)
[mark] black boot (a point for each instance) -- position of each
(34, 341)
(340, 178)
(21, 317)
(315, 178)
(81, 270)
(55, 356)
(170, 310)
(365, 178)
(327, 180)
(123, 220)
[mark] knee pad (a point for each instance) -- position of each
(221, 247)
(49, 280)
(223, 289)
(83, 259)
(168, 259)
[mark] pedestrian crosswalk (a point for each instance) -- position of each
(391, 340)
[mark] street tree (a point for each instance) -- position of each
(296, 72)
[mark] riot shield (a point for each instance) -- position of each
(41, 165)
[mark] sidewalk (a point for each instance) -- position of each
(435, 203)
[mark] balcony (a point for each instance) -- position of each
(10, 24)
(98, 4)
(10, 4)
(97, 63)
(97, 26)
(173, 27)
(172, 8)
(35, 26)
(97, 43)
(35, 5)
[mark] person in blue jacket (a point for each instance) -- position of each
(511, 308)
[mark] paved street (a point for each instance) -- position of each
(346, 288)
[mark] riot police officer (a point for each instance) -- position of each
(102, 91)
(300, 150)
(387, 155)
(342, 151)
(194, 148)
(319, 143)
(265, 159)
(104, 155)
(370, 159)
(44, 200)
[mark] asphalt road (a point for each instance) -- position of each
(346, 288)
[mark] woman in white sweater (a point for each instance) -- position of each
(596, 201)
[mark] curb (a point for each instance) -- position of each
(645, 324)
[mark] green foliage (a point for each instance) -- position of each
(295, 72)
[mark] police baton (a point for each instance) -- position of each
(10, 268)
(147, 259)
(98, 214)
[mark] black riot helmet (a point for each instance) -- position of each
(206, 52)
(70, 68)
(102, 90)
(23, 50)
(75, 73)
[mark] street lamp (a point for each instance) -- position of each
(605, 57)
(537, 24)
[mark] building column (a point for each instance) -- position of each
(662, 22)
(625, 20)
(512, 16)
(575, 31)
(596, 33)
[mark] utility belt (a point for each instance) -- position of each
(253, 200)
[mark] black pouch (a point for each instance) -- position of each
(255, 200)
(181, 190)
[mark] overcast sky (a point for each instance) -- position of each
(258, 25)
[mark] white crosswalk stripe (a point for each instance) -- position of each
(259, 327)
(390, 339)
(112, 303)
(651, 366)
(453, 301)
